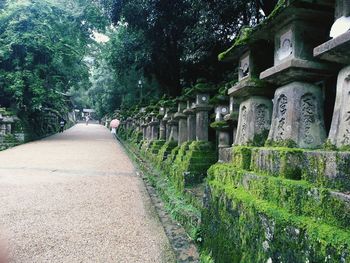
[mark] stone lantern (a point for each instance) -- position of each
(129, 123)
(148, 127)
(338, 50)
(223, 130)
(182, 122)
(166, 120)
(232, 116)
(162, 126)
(154, 127)
(253, 97)
(144, 128)
(173, 125)
(297, 117)
(191, 120)
(202, 109)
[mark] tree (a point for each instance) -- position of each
(42, 46)
(183, 38)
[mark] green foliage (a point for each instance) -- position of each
(219, 125)
(167, 45)
(42, 46)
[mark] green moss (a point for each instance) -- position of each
(241, 157)
(281, 143)
(345, 148)
(329, 146)
(241, 40)
(191, 163)
(163, 153)
(237, 227)
(281, 161)
(219, 125)
(219, 100)
(259, 139)
(177, 204)
(297, 197)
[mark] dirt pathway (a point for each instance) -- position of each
(74, 197)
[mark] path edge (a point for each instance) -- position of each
(183, 246)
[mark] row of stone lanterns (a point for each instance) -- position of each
(189, 122)
(285, 103)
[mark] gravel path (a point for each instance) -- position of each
(74, 197)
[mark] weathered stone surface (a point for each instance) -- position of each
(335, 50)
(298, 115)
(191, 121)
(225, 155)
(167, 118)
(248, 87)
(202, 117)
(328, 169)
(238, 227)
(191, 127)
(162, 130)
(297, 70)
(297, 39)
(339, 134)
(202, 125)
(167, 131)
(174, 135)
(182, 137)
(224, 138)
(154, 131)
(254, 121)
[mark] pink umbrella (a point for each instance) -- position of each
(114, 123)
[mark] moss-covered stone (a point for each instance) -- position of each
(191, 164)
(241, 157)
(330, 169)
(156, 146)
(164, 152)
(283, 162)
(237, 227)
(297, 197)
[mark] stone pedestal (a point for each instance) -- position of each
(298, 116)
(182, 123)
(167, 131)
(254, 121)
(224, 139)
(167, 117)
(191, 127)
(129, 123)
(173, 136)
(191, 122)
(148, 132)
(162, 130)
(202, 123)
(339, 134)
(202, 109)
(154, 131)
(144, 131)
(182, 130)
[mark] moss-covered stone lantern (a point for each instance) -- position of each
(298, 103)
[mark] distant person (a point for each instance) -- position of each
(62, 124)
(87, 118)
